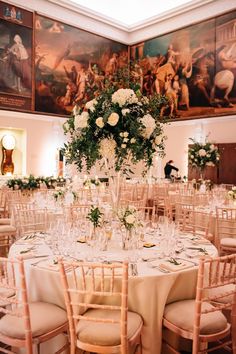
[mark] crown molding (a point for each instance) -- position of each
(168, 14)
(194, 4)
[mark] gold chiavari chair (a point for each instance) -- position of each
(226, 230)
(24, 324)
(199, 320)
(96, 297)
(30, 221)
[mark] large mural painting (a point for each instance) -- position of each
(72, 65)
(195, 67)
(16, 28)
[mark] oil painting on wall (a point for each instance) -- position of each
(195, 67)
(72, 65)
(15, 57)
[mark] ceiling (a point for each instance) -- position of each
(132, 12)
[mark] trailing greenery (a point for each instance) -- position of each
(32, 182)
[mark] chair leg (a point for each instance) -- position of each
(38, 348)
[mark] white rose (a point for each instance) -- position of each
(158, 139)
(113, 119)
(125, 134)
(123, 146)
(81, 121)
(91, 105)
(202, 152)
(132, 140)
(149, 125)
(125, 140)
(130, 219)
(99, 122)
(212, 147)
(107, 148)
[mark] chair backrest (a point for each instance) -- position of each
(225, 222)
(95, 286)
(31, 221)
(201, 223)
(183, 215)
(214, 274)
(13, 295)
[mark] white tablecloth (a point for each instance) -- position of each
(149, 291)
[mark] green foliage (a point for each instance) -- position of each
(31, 182)
(95, 216)
(124, 120)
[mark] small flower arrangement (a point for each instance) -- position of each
(95, 216)
(232, 194)
(117, 128)
(90, 182)
(128, 217)
(61, 192)
(197, 183)
(201, 155)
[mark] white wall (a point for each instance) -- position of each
(43, 135)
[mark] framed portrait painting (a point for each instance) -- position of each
(16, 32)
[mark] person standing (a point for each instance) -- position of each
(168, 169)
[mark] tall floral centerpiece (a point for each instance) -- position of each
(201, 155)
(119, 128)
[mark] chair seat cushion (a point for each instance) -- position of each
(107, 334)
(5, 221)
(181, 314)
(4, 294)
(7, 228)
(44, 317)
(228, 242)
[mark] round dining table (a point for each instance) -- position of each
(155, 278)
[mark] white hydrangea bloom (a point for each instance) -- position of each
(107, 148)
(126, 134)
(149, 125)
(81, 121)
(132, 140)
(124, 96)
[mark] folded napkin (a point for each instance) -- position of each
(171, 267)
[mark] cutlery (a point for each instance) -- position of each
(187, 260)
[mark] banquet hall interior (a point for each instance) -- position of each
(118, 176)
